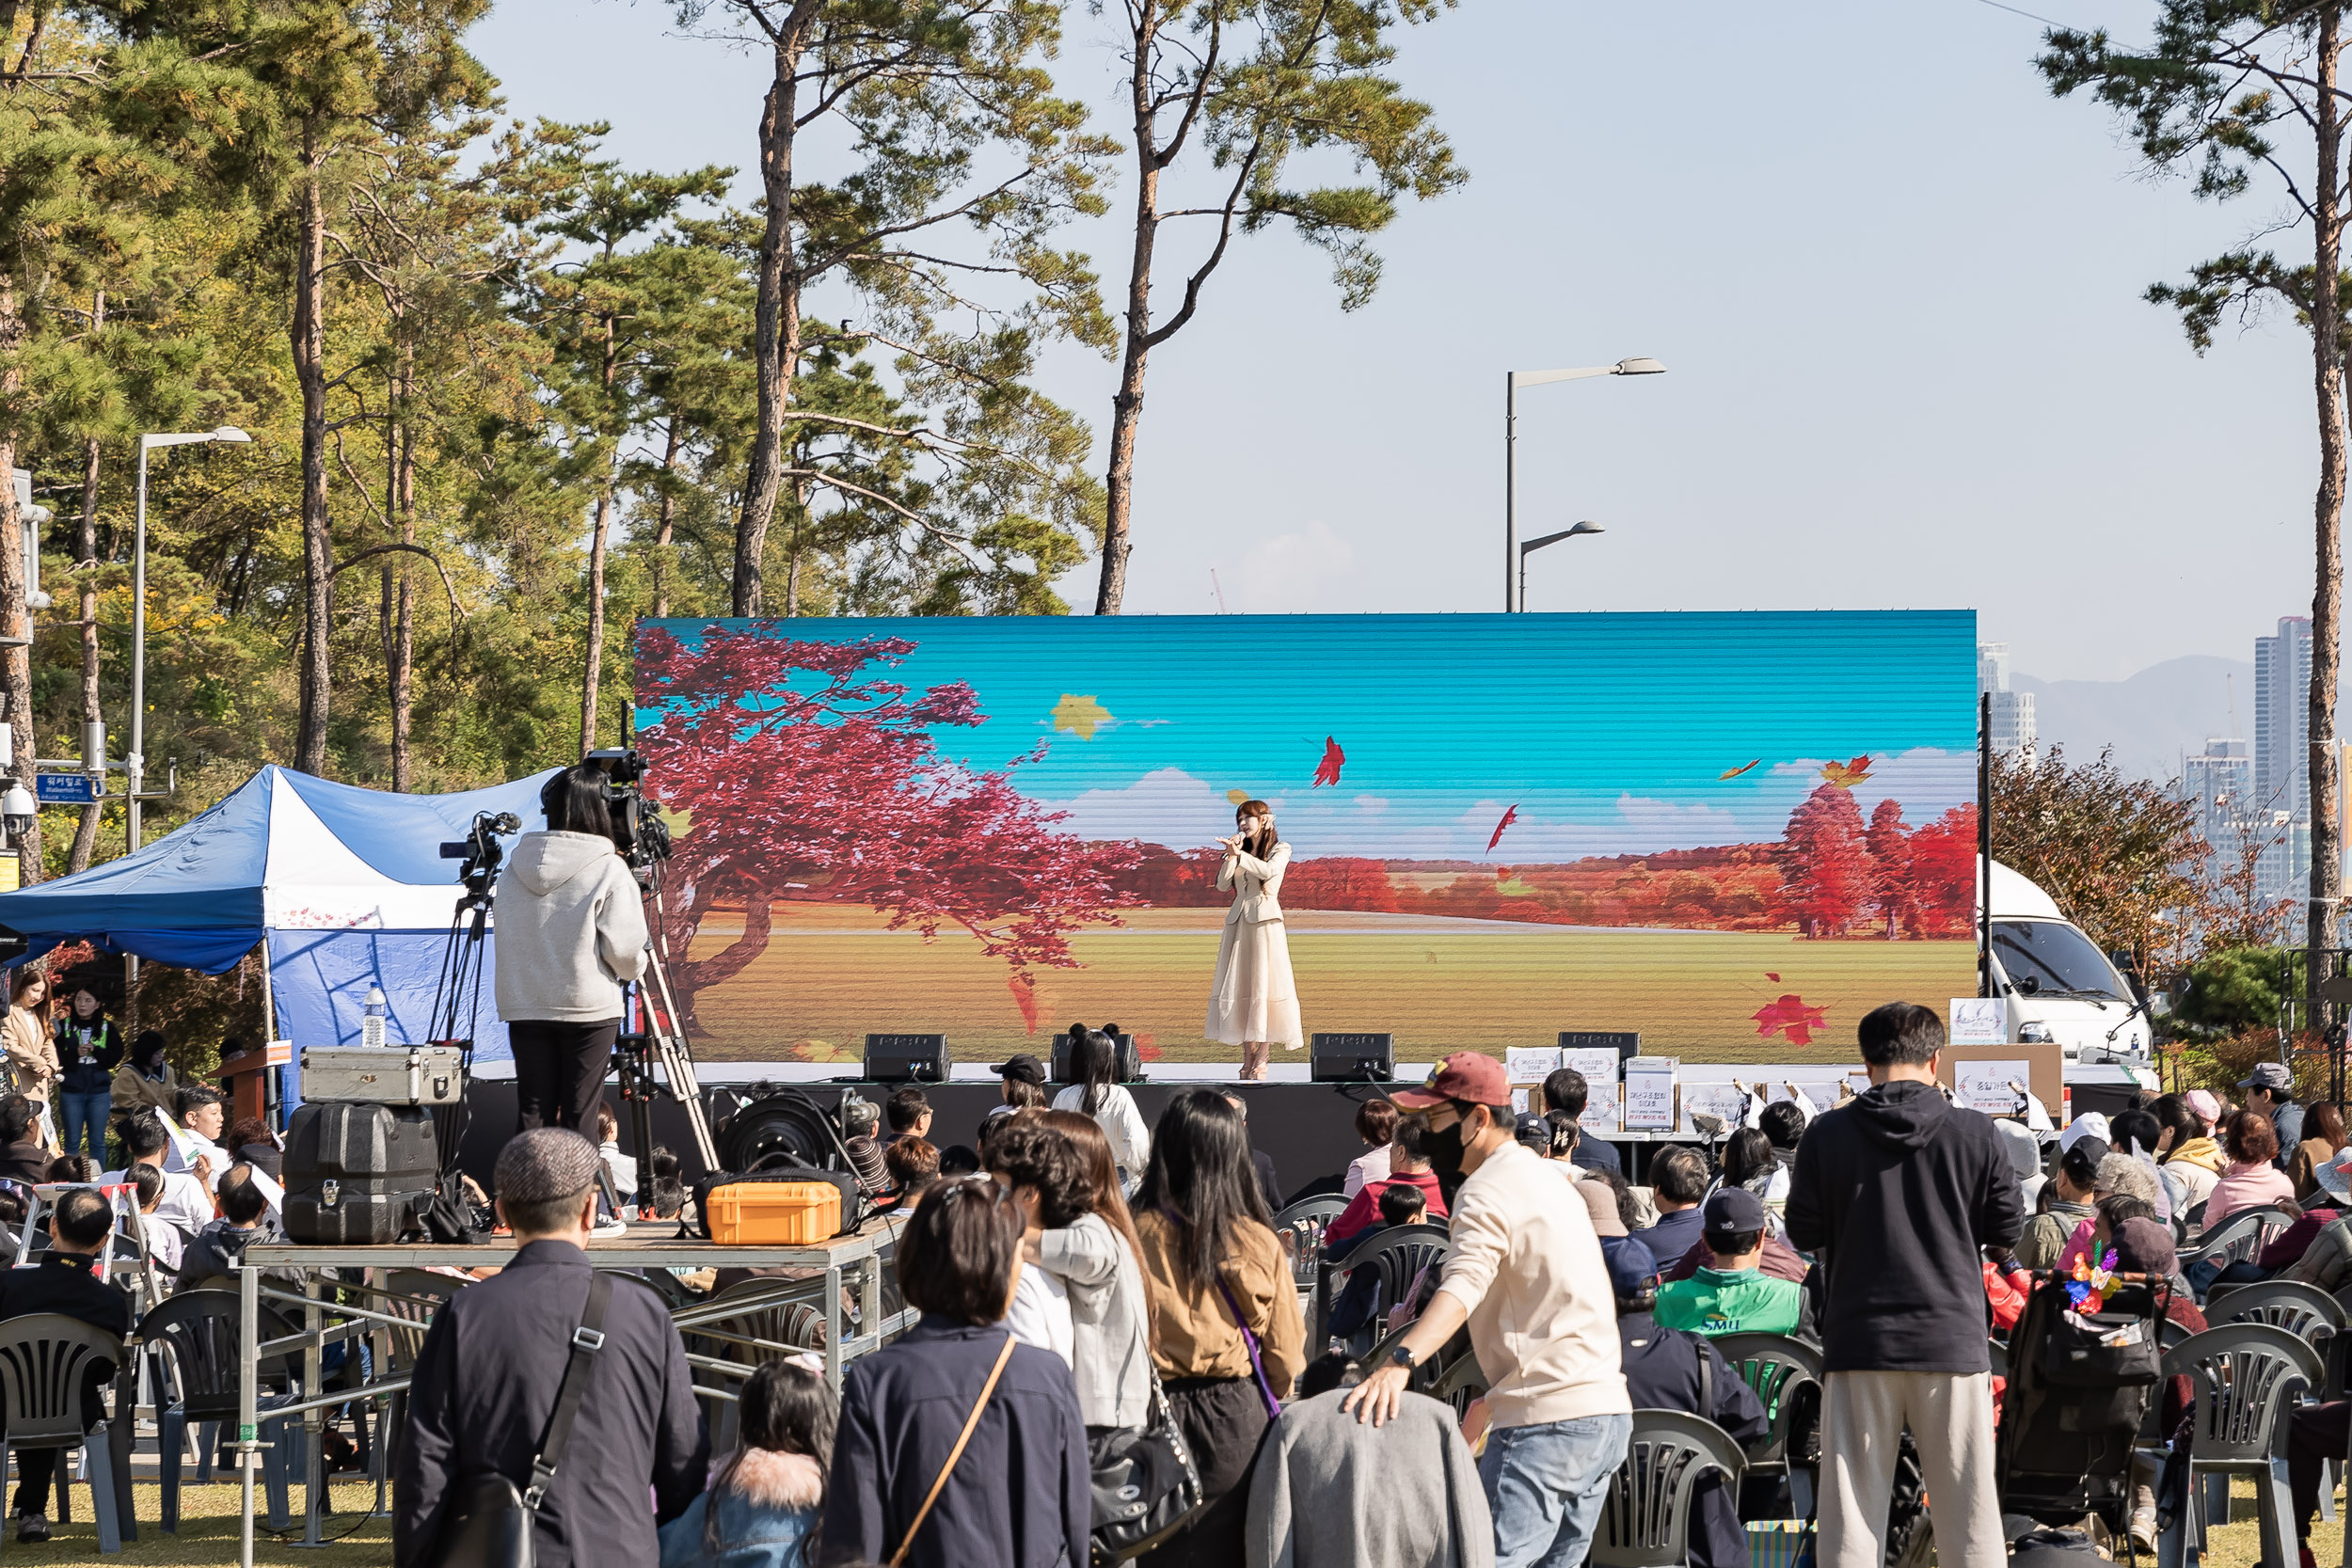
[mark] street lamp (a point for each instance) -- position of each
(134, 762)
(1512, 383)
(1530, 546)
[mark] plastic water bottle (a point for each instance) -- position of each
(372, 1019)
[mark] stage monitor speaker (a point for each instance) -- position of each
(907, 1058)
(1351, 1058)
(1063, 1068)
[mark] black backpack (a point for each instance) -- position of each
(2080, 1387)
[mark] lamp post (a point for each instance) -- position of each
(1578, 531)
(134, 762)
(1512, 383)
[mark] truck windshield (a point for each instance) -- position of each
(2049, 957)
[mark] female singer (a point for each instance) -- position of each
(1252, 1003)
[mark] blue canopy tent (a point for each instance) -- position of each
(346, 885)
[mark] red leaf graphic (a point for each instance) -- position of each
(1789, 1016)
(1328, 770)
(1774, 978)
(1508, 818)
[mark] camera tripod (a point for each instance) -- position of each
(653, 1035)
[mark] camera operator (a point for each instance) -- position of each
(570, 932)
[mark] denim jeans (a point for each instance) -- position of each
(79, 1111)
(1544, 1485)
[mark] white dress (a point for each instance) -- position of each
(1123, 1124)
(1253, 997)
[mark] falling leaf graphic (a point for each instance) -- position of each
(1791, 1017)
(1508, 818)
(1237, 796)
(1024, 996)
(1328, 770)
(1845, 775)
(1080, 716)
(1773, 976)
(1737, 772)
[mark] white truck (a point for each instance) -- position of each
(2062, 989)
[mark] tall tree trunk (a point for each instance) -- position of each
(85, 560)
(2327, 577)
(776, 330)
(16, 621)
(596, 556)
(792, 556)
(1127, 403)
(665, 518)
(318, 564)
(403, 651)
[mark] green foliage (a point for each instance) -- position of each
(2234, 991)
(2117, 854)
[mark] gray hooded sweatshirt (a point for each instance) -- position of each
(570, 928)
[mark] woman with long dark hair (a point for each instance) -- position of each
(570, 932)
(1224, 1311)
(1098, 1094)
(1099, 1261)
(32, 1054)
(762, 1508)
(90, 1048)
(1253, 1002)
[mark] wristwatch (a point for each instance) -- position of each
(1401, 1358)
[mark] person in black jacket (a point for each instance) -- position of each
(1020, 1495)
(62, 1282)
(1668, 1369)
(487, 1377)
(1895, 1192)
(24, 1158)
(90, 1048)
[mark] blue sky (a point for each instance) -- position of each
(1897, 284)
(1609, 732)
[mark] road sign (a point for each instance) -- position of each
(65, 790)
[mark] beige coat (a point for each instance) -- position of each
(133, 1091)
(33, 1066)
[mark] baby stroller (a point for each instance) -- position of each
(2083, 1373)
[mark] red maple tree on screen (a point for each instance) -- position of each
(803, 769)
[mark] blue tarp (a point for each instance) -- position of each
(348, 885)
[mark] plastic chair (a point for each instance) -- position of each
(45, 1362)
(2303, 1310)
(1399, 1253)
(1786, 1373)
(193, 1341)
(1646, 1522)
(2248, 1378)
(1299, 1228)
(2238, 1239)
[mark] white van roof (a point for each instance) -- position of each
(2014, 897)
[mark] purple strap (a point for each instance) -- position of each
(1265, 1389)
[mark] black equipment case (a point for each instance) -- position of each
(358, 1174)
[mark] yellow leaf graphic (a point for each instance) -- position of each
(1080, 716)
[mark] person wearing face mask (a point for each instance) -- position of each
(1526, 1274)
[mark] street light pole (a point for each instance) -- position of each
(1578, 531)
(1513, 381)
(135, 761)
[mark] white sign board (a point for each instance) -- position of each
(1719, 1100)
(1979, 1020)
(1649, 1094)
(1599, 1069)
(1984, 1085)
(1526, 1063)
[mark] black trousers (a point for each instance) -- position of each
(2315, 1436)
(1224, 1422)
(559, 1072)
(37, 1469)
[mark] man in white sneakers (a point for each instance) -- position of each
(1526, 1274)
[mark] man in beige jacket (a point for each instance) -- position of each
(1526, 1274)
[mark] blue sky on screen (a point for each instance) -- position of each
(1610, 732)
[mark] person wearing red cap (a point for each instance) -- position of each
(1526, 1274)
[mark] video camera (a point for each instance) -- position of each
(643, 837)
(481, 850)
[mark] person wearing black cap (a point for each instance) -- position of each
(1020, 1067)
(1732, 1295)
(2270, 1092)
(487, 1378)
(1666, 1368)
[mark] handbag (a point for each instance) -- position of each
(1257, 1363)
(1145, 1485)
(490, 1525)
(970, 1423)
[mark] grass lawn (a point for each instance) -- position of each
(829, 975)
(209, 1531)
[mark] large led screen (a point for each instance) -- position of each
(1734, 833)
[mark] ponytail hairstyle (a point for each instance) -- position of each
(1096, 1058)
(1263, 846)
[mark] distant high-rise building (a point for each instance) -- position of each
(2012, 725)
(2219, 783)
(2282, 696)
